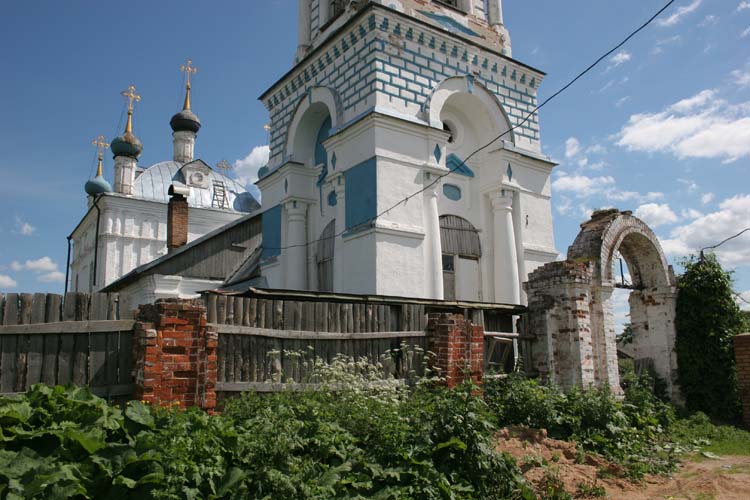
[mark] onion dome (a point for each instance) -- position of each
(127, 144)
(186, 120)
(98, 185)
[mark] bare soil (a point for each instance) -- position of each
(588, 476)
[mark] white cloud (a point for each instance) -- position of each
(24, 228)
(744, 301)
(619, 102)
(690, 213)
(690, 185)
(741, 78)
(708, 20)
(581, 185)
(246, 169)
(52, 277)
(621, 57)
(707, 198)
(702, 126)
(7, 282)
(731, 218)
(596, 149)
(656, 215)
(16, 266)
(744, 4)
(662, 43)
(679, 14)
(572, 147)
(43, 264)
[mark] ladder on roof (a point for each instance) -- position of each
(220, 195)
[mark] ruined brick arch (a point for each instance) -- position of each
(610, 231)
(571, 319)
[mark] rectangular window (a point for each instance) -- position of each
(451, 3)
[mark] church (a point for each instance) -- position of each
(405, 161)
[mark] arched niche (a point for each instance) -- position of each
(319, 107)
(462, 251)
(471, 113)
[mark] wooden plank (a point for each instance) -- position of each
(113, 391)
(269, 314)
(82, 306)
(125, 358)
(65, 359)
(230, 310)
(10, 315)
(8, 354)
(35, 358)
(53, 308)
(111, 364)
(252, 356)
(38, 303)
(237, 353)
(278, 314)
(229, 358)
(297, 316)
(80, 359)
(27, 302)
(308, 316)
(69, 327)
(252, 312)
(221, 358)
(49, 362)
(245, 374)
(99, 306)
(246, 312)
(22, 353)
(97, 359)
(279, 387)
(113, 308)
(221, 309)
(289, 314)
(349, 318)
(239, 310)
(307, 335)
(2, 306)
(211, 306)
(69, 307)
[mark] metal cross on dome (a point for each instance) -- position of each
(189, 70)
(225, 167)
(100, 144)
(131, 96)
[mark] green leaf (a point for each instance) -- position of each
(453, 442)
(140, 414)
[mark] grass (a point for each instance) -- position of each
(699, 431)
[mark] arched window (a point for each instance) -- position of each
(325, 257)
(462, 251)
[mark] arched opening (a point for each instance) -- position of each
(313, 128)
(462, 251)
(324, 257)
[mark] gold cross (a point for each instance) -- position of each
(131, 96)
(189, 70)
(224, 166)
(100, 145)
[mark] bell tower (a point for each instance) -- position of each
(375, 183)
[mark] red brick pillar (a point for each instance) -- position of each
(742, 358)
(175, 354)
(458, 347)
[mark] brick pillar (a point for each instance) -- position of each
(177, 218)
(742, 358)
(458, 346)
(175, 354)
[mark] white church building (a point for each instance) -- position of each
(373, 186)
(126, 227)
(379, 181)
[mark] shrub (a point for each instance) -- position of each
(707, 319)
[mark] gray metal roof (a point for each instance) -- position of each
(153, 184)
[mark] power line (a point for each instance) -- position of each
(726, 240)
(511, 129)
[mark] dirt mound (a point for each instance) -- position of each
(550, 464)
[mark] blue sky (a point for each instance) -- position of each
(661, 128)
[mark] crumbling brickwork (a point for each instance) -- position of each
(458, 348)
(175, 354)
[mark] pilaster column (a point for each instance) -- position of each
(433, 249)
(507, 284)
(304, 28)
(183, 143)
(339, 186)
(495, 12)
(296, 242)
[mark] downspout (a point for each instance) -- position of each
(67, 268)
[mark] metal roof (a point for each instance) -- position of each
(153, 184)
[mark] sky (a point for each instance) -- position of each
(661, 128)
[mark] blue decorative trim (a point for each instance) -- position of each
(361, 185)
(271, 221)
(510, 173)
(452, 192)
(470, 83)
(332, 199)
(457, 166)
(321, 156)
(438, 153)
(450, 24)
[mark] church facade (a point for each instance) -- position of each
(126, 227)
(378, 182)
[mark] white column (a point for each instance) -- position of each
(323, 11)
(507, 285)
(303, 29)
(183, 143)
(433, 250)
(339, 185)
(124, 174)
(495, 14)
(295, 262)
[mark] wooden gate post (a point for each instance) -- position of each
(742, 359)
(175, 354)
(458, 346)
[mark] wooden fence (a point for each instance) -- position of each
(263, 341)
(51, 339)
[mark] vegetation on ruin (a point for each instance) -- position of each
(707, 318)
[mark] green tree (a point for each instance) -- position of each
(707, 319)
